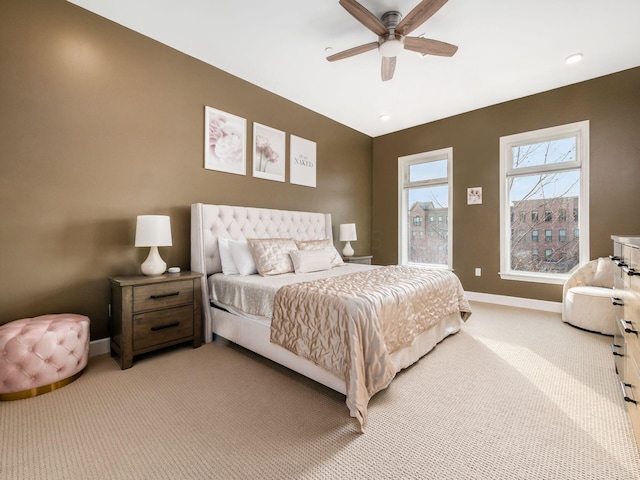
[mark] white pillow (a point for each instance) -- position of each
(324, 244)
(605, 271)
(242, 257)
(228, 265)
(305, 261)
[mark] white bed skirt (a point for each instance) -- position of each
(254, 335)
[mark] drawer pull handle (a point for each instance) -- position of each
(162, 327)
(613, 350)
(615, 258)
(621, 263)
(630, 271)
(626, 397)
(163, 295)
(617, 302)
(626, 326)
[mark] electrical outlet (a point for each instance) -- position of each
(478, 272)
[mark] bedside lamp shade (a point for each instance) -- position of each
(153, 231)
(348, 234)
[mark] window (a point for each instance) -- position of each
(417, 220)
(545, 171)
(425, 185)
(534, 235)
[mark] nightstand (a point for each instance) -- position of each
(149, 313)
(365, 259)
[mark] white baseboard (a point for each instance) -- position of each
(99, 347)
(543, 305)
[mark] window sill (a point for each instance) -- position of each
(553, 279)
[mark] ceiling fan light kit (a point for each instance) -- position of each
(391, 47)
(392, 31)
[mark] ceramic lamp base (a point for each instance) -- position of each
(348, 250)
(153, 265)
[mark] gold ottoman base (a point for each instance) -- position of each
(34, 392)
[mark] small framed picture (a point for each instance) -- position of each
(225, 140)
(474, 196)
(268, 153)
(303, 161)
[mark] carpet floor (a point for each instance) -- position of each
(516, 394)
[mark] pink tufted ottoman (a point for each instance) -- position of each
(40, 354)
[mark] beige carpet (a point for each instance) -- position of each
(516, 395)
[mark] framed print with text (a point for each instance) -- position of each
(303, 161)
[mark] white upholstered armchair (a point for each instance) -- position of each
(586, 297)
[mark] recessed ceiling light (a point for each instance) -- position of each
(328, 49)
(575, 58)
(385, 117)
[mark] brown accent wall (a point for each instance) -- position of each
(610, 103)
(99, 124)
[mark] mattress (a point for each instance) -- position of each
(252, 296)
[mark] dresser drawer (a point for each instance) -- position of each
(162, 295)
(155, 328)
(632, 391)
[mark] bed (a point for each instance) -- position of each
(257, 311)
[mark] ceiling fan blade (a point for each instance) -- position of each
(420, 14)
(365, 17)
(353, 51)
(388, 67)
(427, 46)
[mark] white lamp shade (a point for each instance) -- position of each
(153, 231)
(348, 232)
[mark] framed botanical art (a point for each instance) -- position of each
(474, 196)
(268, 153)
(225, 141)
(303, 161)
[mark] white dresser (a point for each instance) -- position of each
(626, 345)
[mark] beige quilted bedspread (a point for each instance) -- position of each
(351, 324)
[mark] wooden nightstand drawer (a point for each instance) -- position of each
(155, 328)
(162, 295)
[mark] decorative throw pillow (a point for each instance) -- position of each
(324, 244)
(228, 265)
(310, 260)
(242, 257)
(605, 271)
(272, 255)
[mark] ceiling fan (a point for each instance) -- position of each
(392, 31)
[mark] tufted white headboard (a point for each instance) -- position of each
(208, 222)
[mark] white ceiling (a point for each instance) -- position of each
(507, 49)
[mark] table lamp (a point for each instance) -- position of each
(347, 234)
(153, 231)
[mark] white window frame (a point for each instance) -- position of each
(579, 130)
(403, 199)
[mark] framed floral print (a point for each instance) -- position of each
(225, 142)
(268, 153)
